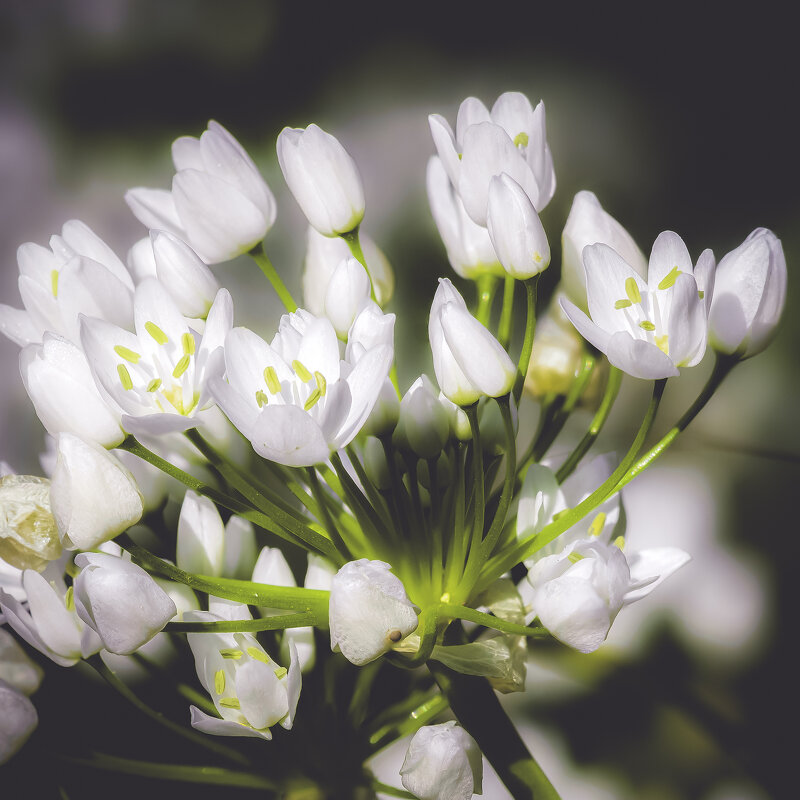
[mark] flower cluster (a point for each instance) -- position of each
(413, 509)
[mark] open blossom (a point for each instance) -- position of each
(512, 138)
(647, 328)
(250, 691)
(749, 295)
(323, 256)
(79, 274)
(469, 362)
(369, 611)
(219, 203)
(158, 376)
(323, 178)
(295, 399)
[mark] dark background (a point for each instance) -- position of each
(679, 116)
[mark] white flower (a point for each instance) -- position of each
(323, 178)
(59, 383)
(515, 229)
(325, 253)
(201, 537)
(219, 203)
(369, 611)
(424, 425)
(158, 376)
(120, 601)
(468, 361)
(18, 720)
(50, 623)
(511, 139)
(385, 413)
(468, 245)
(443, 762)
(579, 592)
(240, 548)
(295, 399)
(79, 274)
(16, 669)
(347, 292)
(28, 533)
(249, 690)
(647, 329)
(93, 496)
(749, 295)
(190, 283)
(588, 223)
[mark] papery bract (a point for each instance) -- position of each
(18, 720)
(28, 533)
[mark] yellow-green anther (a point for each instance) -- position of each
(620, 542)
(622, 304)
(322, 384)
(231, 652)
(258, 655)
(301, 371)
(229, 702)
(261, 398)
(156, 332)
(280, 672)
(127, 354)
(647, 325)
(69, 599)
(669, 279)
(154, 385)
(219, 681)
(181, 367)
(662, 343)
(271, 379)
(124, 377)
(537, 256)
(575, 557)
(187, 341)
(521, 139)
(632, 290)
(701, 294)
(54, 282)
(312, 399)
(598, 523)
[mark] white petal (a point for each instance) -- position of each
(223, 727)
(288, 435)
(652, 567)
(639, 358)
(155, 209)
(201, 536)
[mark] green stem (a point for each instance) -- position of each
(479, 711)
(325, 518)
(455, 550)
(421, 715)
(479, 500)
(487, 286)
(531, 285)
(277, 623)
(722, 366)
(366, 514)
(261, 258)
(187, 733)
(216, 776)
(600, 417)
(353, 241)
(384, 788)
(504, 327)
(527, 547)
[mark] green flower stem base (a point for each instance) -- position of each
(487, 286)
(479, 711)
(531, 286)
(261, 258)
(353, 241)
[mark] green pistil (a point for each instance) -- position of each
(127, 354)
(187, 341)
(258, 655)
(647, 325)
(261, 398)
(632, 290)
(521, 139)
(669, 279)
(622, 304)
(312, 400)
(54, 282)
(154, 385)
(322, 384)
(301, 371)
(124, 377)
(229, 702)
(219, 681)
(181, 367)
(156, 332)
(271, 379)
(231, 652)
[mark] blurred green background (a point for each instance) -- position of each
(677, 116)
